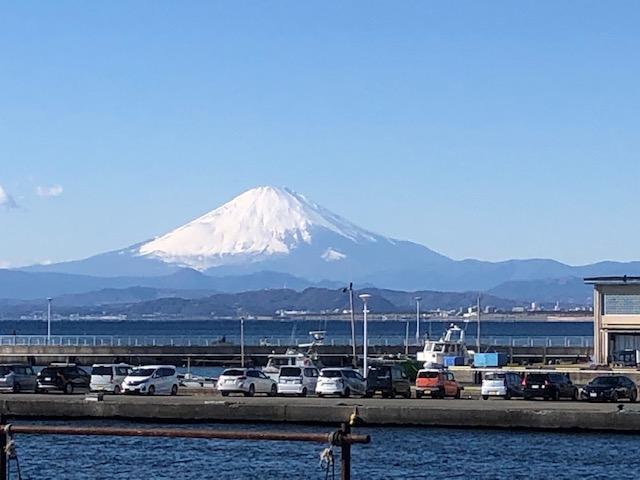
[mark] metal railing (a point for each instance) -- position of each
(342, 438)
(253, 340)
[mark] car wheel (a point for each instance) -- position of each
(574, 395)
(274, 391)
(174, 390)
(320, 395)
(224, 394)
(485, 397)
(68, 388)
(251, 392)
(633, 398)
(346, 393)
(151, 391)
(458, 394)
(116, 390)
(418, 394)
(304, 392)
(556, 395)
(16, 388)
(407, 394)
(507, 396)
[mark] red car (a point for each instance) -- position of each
(437, 383)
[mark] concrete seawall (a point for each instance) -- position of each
(563, 415)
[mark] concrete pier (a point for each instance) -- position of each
(536, 415)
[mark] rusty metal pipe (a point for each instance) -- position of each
(187, 433)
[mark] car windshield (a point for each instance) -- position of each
(49, 372)
(5, 370)
(605, 381)
(101, 371)
(432, 374)
(142, 372)
(494, 376)
(278, 362)
(331, 373)
(233, 373)
(290, 372)
(537, 377)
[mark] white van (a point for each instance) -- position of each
(108, 377)
(297, 380)
(152, 380)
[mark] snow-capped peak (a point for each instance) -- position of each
(261, 222)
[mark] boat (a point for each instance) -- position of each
(296, 357)
(449, 350)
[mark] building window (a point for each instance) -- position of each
(621, 304)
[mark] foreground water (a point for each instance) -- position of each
(393, 453)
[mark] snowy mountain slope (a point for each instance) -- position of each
(258, 224)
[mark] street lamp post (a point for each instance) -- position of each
(417, 299)
(406, 338)
(353, 326)
(242, 341)
(49, 299)
(365, 297)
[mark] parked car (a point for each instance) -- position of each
(550, 386)
(341, 381)
(108, 377)
(501, 384)
(17, 378)
(247, 381)
(438, 383)
(610, 388)
(297, 380)
(389, 380)
(152, 380)
(65, 377)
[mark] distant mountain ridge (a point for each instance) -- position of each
(270, 229)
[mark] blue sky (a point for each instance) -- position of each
(490, 130)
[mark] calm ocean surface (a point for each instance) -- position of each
(394, 453)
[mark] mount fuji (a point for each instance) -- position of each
(263, 229)
(269, 229)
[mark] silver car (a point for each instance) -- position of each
(17, 378)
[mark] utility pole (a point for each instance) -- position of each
(353, 327)
(49, 320)
(365, 310)
(478, 333)
(417, 299)
(242, 341)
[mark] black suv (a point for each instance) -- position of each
(610, 387)
(65, 378)
(550, 386)
(389, 380)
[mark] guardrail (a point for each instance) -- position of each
(342, 438)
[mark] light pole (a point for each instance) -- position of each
(242, 341)
(49, 299)
(478, 333)
(406, 338)
(365, 310)
(417, 299)
(353, 326)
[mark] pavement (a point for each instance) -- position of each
(470, 413)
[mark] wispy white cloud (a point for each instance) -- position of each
(6, 200)
(52, 191)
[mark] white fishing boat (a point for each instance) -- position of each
(451, 344)
(296, 357)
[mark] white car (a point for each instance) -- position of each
(341, 381)
(108, 377)
(152, 380)
(247, 381)
(297, 380)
